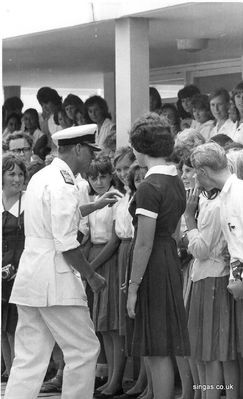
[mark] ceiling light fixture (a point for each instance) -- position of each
(192, 45)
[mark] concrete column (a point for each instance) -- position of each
(242, 67)
(132, 74)
(109, 92)
(189, 79)
(11, 91)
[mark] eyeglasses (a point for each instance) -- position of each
(19, 150)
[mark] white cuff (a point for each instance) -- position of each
(145, 212)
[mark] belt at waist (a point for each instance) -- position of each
(46, 243)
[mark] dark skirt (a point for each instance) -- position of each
(105, 303)
(160, 325)
(239, 326)
(9, 317)
(211, 320)
(123, 259)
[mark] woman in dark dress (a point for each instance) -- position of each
(13, 179)
(155, 298)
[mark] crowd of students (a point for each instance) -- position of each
(168, 262)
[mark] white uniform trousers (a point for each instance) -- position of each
(37, 331)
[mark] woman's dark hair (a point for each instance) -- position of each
(151, 137)
(34, 114)
(13, 104)
(182, 113)
(188, 91)
(102, 105)
(173, 108)
(121, 152)
(8, 163)
(72, 99)
(221, 92)
(61, 110)
(13, 115)
(201, 101)
(100, 165)
(153, 92)
(130, 178)
(46, 94)
(41, 147)
(238, 88)
(221, 139)
(185, 161)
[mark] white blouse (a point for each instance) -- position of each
(101, 223)
(227, 128)
(207, 243)
(123, 219)
(237, 134)
(205, 129)
(107, 127)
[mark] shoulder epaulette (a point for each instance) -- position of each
(66, 176)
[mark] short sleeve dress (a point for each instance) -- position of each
(160, 325)
(12, 248)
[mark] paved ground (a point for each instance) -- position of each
(57, 396)
(42, 395)
(45, 395)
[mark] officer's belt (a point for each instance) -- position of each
(37, 242)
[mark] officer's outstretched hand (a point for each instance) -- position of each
(109, 198)
(96, 282)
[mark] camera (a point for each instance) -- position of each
(8, 272)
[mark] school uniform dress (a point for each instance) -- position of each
(231, 217)
(12, 248)
(211, 321)
(49, 293)
(227, 128)
(124, 230)
(105, 305)
(160, 325)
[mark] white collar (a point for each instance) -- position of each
(162, 170)
(14, 210)
(228, 183)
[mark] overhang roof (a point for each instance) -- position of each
(91, 47)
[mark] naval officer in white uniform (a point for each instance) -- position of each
(48, 289)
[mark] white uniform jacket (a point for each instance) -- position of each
(52, 218)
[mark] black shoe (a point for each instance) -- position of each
(53, 385)
(108, 396)
(99, 381)
(4, 377)
(127, 396)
